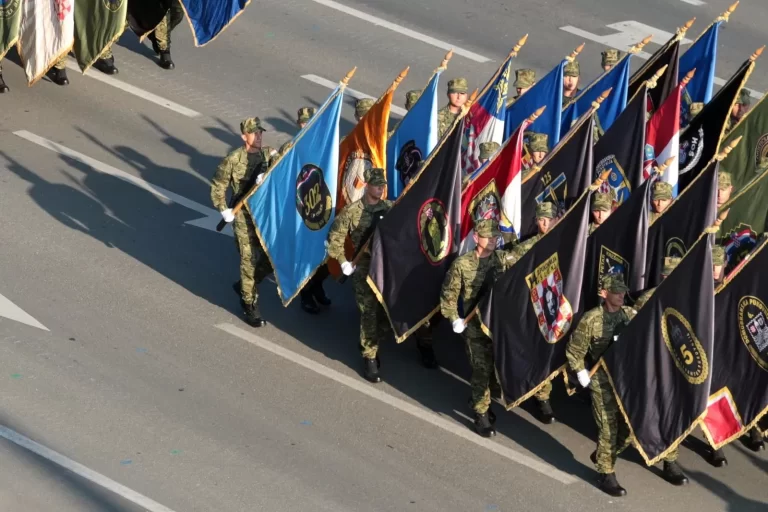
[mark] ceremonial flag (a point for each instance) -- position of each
(740, 360)
(746, 220)
(293, 207)
(208, 18)
(617, 81)
(700, 141)
(547, 91)
(744, 163)
(701, 56)
(495, 192)
(414, 138)
(98, 23)
(416, 242)
(564, 175)
(534, 304)
(622, 150)
(679, 226)
(145, 15)
(666, 57)
(662, 139)
(661, 366)
(47, 33)
(10, 21)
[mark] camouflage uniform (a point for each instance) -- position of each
(610, 58)
(488, 149)
(302, 116)
(354, 220)
(468, 278)
(744, 99)
(446, 118)
(571, 69)
(162, 34)
(539, 143)
(694, 110)
(411, 97)
(602, 202)
(662, 191)
(362, 106)
(238, 170)
(524, 78)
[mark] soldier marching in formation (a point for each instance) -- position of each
(610, 58)
(661, 198)
(602, 207)
(524, 80)
(570, 82)
(457, 97)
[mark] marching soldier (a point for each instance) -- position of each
(524, 80)
(358, 220)
(242, 169)
(487, 150)
(602, 207)
(302, 118)
(161, 36)
(58, 73)
(411, 97)
(106, 61)
(661, 198)
(739, 110)
(717, 457)
(362, 106)
(457, 97)
(468, 278)
(538, 148)
(609, 59)
(570, 82)
(724, 190)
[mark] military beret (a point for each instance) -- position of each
(487, 228)
(669, 265)
(614, 283)
(610, 57)
(411, 97)
(718, 255)
(723, 180)
(305, 114)
(744, 98)
(603, 202)
(695, 108)
(546, 210)
(487, 149)
(375, 176)
(524, 78)
(661, 190)
(572, 68)
(251, 125)
(458, 85)
(538, 142)
(362, 106)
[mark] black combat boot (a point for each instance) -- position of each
(3, 87)
(253, 316)
(165, 60)
(319, 295)
(483, 425)
(308, 303)
(371, 370)
(755, 442)
(609, 485)
(428, 358)
(717, 458)
(491, 415)
(58, 76)
(673, 474)
(106, 66)
(546, 415)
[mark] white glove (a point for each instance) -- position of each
(228, 215)
(583, 376)
(458, 326)
(347, 268)
(259, 178)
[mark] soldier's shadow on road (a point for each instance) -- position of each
(736, 502)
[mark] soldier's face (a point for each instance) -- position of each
(600, 216)
(522, 90)
(659, 205)
(302, 125)
(545, 224)
(614, 299)
(374, 191)
(457, 99)
(486, 244)
(717, 272)
(607, 67)
(570, 83)
(723, 195)
(538, 156)
(252, 140)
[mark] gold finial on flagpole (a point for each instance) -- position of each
(639, 46)
(663, 167)
(600, 180)
(727, 14)
(346, 79)
(518, 46)
(444, 64)
(402, 75)
(575, 52)
(600, 99)
(727, 149)
(654, 80)
(687, 78)
(682, 30)
(536, 114)
(757, 54)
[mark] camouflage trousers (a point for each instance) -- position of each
(107, 53)
(61, 63)
(172, 18)
(480, 353)
(374, 324)
(254, 264)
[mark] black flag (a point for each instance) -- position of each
(668, 55)
(661, 365)
(565, 174)
(700, 141)
(675, 230)
(740, 361)
(416, 242)
(533, 305)
(622, 149)
(145, 15)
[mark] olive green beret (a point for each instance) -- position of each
(251, 125)
(458, 85)
(487, 228)
(661, 190)
(487, 149)
(546, 210)
(375, 176)
(524, 78)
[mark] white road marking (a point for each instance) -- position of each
(164, 195)
(351, 92)
(10, 310)
(629, 33)
(80, 470)
(415, 411)
(402, 30)
(694, 2)
(130, 89)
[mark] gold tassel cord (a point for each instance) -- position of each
(727, 14)
(680, 34)
(600, 99)
(518, 46)
(639, 46)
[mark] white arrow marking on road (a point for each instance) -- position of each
(355, 94)
(10, 310)
(212, 217)
(628, 35)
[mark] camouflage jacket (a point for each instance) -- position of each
(594, 335)
(643, 299)
(236, 172)
(354, 220)
(652, 217)
(592, 227)
(524, 247)
(445, 119)
(466, 278)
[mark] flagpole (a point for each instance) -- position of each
(724, 17)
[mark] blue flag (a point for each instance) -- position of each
(547, 91)
(293, 208)
(209, 17)
(413, 139)
(616, 79)
(702, 55)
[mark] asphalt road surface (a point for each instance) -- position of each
(129, 381)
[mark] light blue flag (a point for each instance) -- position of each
(702, 56)
(413, 139)
(616, 79)
(293, 208)
(547, 91)
(209, 17)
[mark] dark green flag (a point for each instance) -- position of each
(744, 162)
(97, 24)
(10, 20)
(747, 218)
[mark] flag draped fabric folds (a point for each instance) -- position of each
(701, 56)
(616, 79)
(740, 362)
(747, 219)
(10, 21)
(208, 18)
(668, 55)
(98, 23)
(293, 208)
(413, 139)
(662, 139)
(416, 242)
(744, 162)
(533, 305)
(547, 91)
(145, 15)
(47, 33)
(661, 365)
